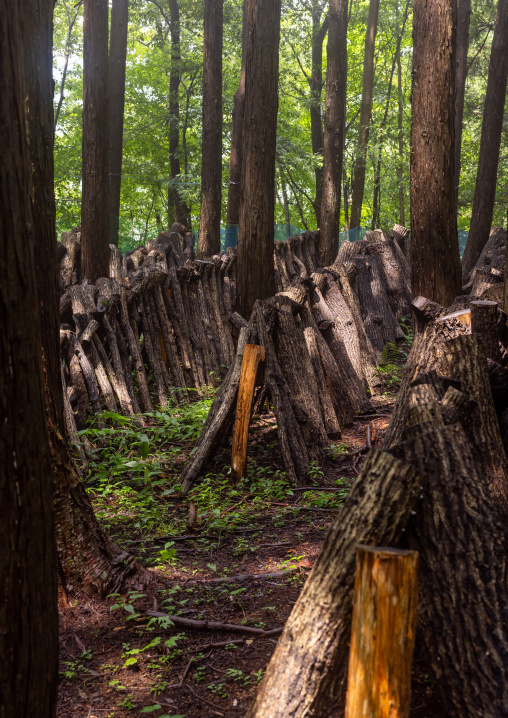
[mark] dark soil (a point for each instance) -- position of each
(222, 680)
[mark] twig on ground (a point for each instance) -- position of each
(369, 435)
(213, 625)
(200, 698)
(239, 577)
(217, 645)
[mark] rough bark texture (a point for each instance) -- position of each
(94, 202)
(177, 207)
(236, 152)
(365, 113)
(335, 130)
(28, 619)
(463, 18)
(462, 547)
(117, 57)
(211, 167)
(255, 238)
(492, 127)
(307, 673)
(435, 261)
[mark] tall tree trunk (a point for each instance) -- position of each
(211, 166)
(335, 122)
(463, 18)
(319, 31)
(365, 113)
(400, 130)
(94, 201)
(287, 218)
(28, 619)
(492, 127)
(235, 159)
(178, 210)
(377, 172)
(71, 21)
(117, 59)
(435, 261)
(255, 273)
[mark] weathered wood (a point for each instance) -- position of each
(135, 351)
(485, 324)
(219, 418)
(457, 407)
(383, 633)
(307, 673)
(252, 356)
(462, 545)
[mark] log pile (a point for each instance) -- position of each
(440, 487)
(162, 328)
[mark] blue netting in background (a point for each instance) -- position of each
(229, 234)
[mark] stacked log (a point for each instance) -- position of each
(162, 329)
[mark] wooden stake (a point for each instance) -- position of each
(383, 633)
(252, 356)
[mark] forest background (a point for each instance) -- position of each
(146, 171)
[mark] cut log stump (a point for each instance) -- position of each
(383, 633)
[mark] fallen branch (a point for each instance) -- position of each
(238, 578)
(214, 625)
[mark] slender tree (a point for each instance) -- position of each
(235, 157)
(211, 164)
(177, 206)
(255, 279)
(400, 137)
(28, 617)
(492, 128)
(319, 30)
(94, 201)
(463, 18)
(335, 121)
(365, 113)
(435, 261)
(377, 171)
(117, 60)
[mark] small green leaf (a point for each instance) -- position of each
(150, 709)
(130, 661)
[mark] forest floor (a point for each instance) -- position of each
(116, 661)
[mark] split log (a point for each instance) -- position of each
(219, 420)
(252, 356)
(462, 546)
(485, 323)
(307, 673)
(383, 633)
(457, 407)
(135, 352)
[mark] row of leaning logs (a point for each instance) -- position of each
(439, 486)
(163, 327)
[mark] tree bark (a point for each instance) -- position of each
(236, 152)
(211, 166)
(307, 673)
(94, 202)
(365, 113)
(28, 572)
(463, 18)
(319, 30)
(435, 261)
(492, 128)
(335, 123)
(255, 277)
(117, 59)
(181, 211)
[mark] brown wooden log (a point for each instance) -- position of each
(89, 331)
(184, 348)
(151, 340)
(383, 633)
(135, 352)
(293, 447)
(425, 310)
(307, 673)
(70, 423)
(457, 407)
(422, 358)
(252, 356)
(118, 369)
(424, 405)
(115, 263)
(464, 358)
(462, 546)
(169, 343)
(117, 381)
(485, 323)
(219, 420)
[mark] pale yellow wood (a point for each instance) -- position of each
(253, 354)
(383, 633)
(463, 315)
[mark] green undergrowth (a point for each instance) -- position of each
(133, 478)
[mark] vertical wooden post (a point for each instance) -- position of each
(252, 356)
(383, 633)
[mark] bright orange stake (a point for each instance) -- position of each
(252, 356)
